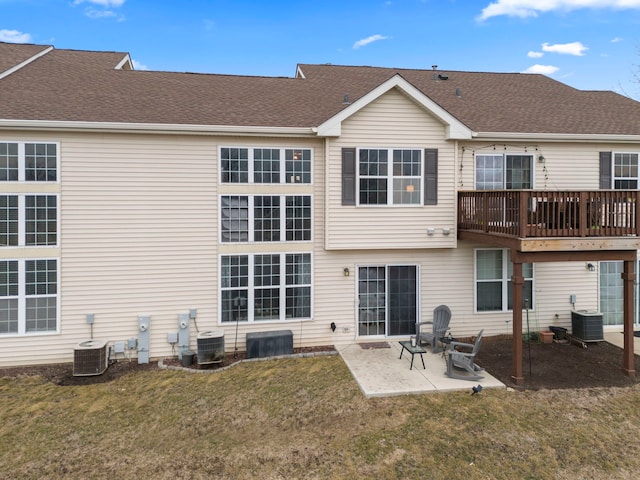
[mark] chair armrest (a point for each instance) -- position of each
(424, 323)
(461, 344)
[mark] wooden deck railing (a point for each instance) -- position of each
(533, 213)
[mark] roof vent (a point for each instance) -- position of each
(443, 76)
(345, 100)
(458, 92)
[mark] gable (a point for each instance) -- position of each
(453, 127)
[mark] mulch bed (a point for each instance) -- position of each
(557, 365)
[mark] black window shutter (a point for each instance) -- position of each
(431, 176)
(605, 171)
(348, 176)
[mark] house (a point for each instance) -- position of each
(361, 197)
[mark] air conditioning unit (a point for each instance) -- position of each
(90, 357)
(587, 325)
(210, 347)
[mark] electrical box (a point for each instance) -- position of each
(90, 318)
(172, 337)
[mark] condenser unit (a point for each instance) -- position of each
(90, 358)
(586, 325)
(210, 347)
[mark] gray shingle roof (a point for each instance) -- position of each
(70, 85)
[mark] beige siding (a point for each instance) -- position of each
(391, 121)
(139, 236)
(565, 166)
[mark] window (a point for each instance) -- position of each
(298, 218)
(504, 171)
(493, 281)
(28, 307)
(28, 220)
(28, 162)
(255, 288)
(390, 176)
(273, 218)
(265, 165)
(625, 171)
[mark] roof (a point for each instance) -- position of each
(85, 86)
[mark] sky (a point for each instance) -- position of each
(587, 44)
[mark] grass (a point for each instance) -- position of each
(306, 418)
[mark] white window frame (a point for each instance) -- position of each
(282, 165)
(251, 288)
(503, 183)
(22, 298)
(390, 177)
(251, 218)
(614, 177)
(22, 219)
(22, 163)
(505, 279)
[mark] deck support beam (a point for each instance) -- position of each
(517, 280)
(628, 280)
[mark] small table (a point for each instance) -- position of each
(406, 345)
(446, 343)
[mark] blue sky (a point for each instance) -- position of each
(588, 44)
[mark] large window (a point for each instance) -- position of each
(28, 162)
(493, 281)
(28, 306)
(504, 171)
(263, 287)
(625, 171)
(265, 218)
(28, 218)
(390, 176)
(265, 165)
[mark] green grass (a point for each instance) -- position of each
(306, 418)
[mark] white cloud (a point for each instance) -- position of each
(531, 8)
(102, 3)
(574, 48)
(368, 40)
(617, 40)
(535, 54)
(93, 13)
(14, 36)
(544, 69)
(139, 66)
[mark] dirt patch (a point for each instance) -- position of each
(62, 374)
(557, 365)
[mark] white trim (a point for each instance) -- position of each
(166, 128)
(556, 137)
(15, 68)
(454, 128)
(123, 62)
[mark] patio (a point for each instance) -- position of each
(381, 373)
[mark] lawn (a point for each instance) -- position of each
(300, 418)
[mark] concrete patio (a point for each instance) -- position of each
(381, 373)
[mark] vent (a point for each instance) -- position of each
(210, 347)
(90, 358)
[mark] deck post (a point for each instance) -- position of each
(517, 281)
(628, 279)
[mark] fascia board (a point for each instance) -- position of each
(556, 137)
(15, 68)
(455, 129)
(124, 61)
(155, 128)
